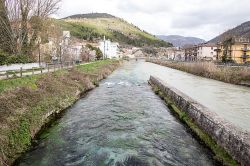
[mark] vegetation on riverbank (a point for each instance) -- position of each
(27, 103)
(239, 76)
(220, 154)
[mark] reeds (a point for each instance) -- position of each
(233, 75)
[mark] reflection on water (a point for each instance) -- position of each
(122, 122)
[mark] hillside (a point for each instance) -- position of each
(180, 41)
(241, 30)
(95, 25)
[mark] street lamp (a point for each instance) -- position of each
(60, 55)
(39, 52)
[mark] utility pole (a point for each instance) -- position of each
(39, 53)
(104, 49)
(60, 53)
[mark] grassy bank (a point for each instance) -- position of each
(239, 76)
(27, 103)
(220, 154)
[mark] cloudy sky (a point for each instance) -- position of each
(200, 18)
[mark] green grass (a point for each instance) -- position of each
(29, 81)
(94, 66)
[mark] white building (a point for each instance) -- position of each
(206, 51)
(66, 37)
(109, 49)
(75, 52)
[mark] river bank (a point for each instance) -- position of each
(238, 76)
(122, 122)
(27, 103)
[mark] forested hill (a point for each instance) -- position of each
(95, 25)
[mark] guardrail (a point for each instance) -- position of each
(35, 70)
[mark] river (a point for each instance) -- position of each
(122, 122)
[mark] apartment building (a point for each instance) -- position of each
(207, 52)
(235, 49)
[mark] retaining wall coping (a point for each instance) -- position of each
(234, 139)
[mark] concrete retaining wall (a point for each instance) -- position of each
(234, 140)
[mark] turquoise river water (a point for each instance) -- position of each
(123, 123)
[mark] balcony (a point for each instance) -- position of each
(218, 50)
(245, 49)
(244, 56)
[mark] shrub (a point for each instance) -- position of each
(18, 59)
(6, 59)
(3, 58)
(99, 54)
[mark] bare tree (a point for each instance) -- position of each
(21, 23)
(6, 33)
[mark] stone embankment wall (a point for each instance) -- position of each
(235, 141)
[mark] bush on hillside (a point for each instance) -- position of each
(99, 54)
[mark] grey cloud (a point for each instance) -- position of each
(149, 7)
(202, 18)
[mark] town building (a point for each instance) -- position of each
(172, 53)
(190, 52)
(207, 52)
(62, 49)
(109, 49)
(74, 52)
(234, 49)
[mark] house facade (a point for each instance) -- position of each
(109, 49)
(190, 52)
(173, 53)
(207, 52)
(236, 49)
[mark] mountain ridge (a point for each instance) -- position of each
(90, 15)
(180, 41)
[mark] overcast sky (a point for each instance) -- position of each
(199, 18)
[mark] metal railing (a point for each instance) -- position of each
(50, 67)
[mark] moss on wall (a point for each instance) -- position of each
(220, 154)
